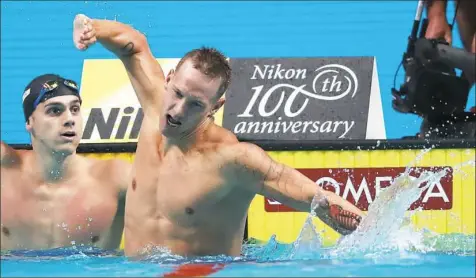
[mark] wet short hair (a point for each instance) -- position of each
(212, 63)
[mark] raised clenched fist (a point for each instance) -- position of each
(84, 34)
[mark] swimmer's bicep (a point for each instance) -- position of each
(273, 179)
(147, 78)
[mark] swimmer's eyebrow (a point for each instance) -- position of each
(179, 91)
(62, 104)
(188, 95)
(76, 101)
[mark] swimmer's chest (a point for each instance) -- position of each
(81, 207)
(188, 188)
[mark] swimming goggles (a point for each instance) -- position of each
(51, 85)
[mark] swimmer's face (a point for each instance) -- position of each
(57, 123)
(190, 98)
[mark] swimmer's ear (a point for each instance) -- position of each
(28, 125)
(169, 76)
(218, 105)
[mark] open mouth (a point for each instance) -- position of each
(68, 134)
(172, 122)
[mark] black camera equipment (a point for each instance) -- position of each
(432, 88)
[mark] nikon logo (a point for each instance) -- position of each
(106, 126)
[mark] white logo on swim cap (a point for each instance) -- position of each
(25, 94)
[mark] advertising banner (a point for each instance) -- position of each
(111, 111)
(274, 99)
(304, 99)
(361, 186)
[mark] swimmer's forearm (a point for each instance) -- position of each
(119, 38)
(262, 175)
(132, 48)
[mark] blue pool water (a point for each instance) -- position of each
(452, 255)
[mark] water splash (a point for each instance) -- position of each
(387, 228)
(458, 168)
(308, 243)
(387, 225)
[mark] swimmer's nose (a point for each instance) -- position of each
(69, 123)
(177, 110)
(69, 119)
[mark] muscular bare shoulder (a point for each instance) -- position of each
(9, 157)
(114, 171)
(248, 160)
(222, 136)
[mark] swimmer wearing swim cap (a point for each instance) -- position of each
(51, 197)
(193, 181)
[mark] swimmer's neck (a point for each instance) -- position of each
(50, 165)
(191, 139)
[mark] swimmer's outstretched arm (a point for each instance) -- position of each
(131, 46)
(264, 176)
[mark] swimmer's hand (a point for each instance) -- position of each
(343, 221)
(84, 34)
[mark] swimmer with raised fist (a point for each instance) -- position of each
(193, 181)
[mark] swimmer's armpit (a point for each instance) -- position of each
(262, 175)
